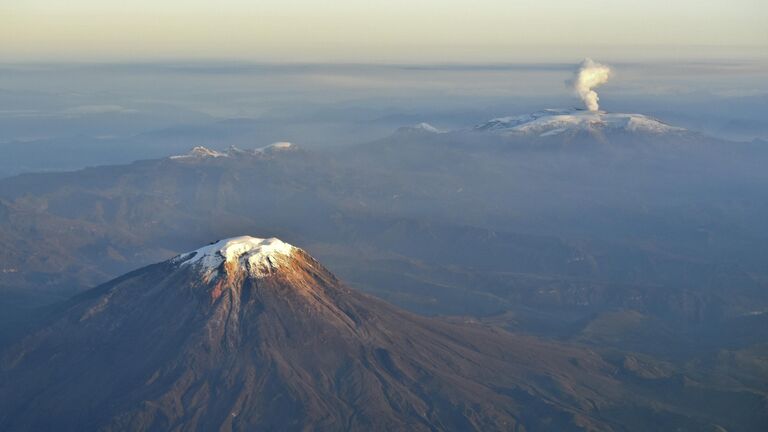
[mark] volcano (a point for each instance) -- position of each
(553, 122)
(255, 334)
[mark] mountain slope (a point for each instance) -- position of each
(252, 334)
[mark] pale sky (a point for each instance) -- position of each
(371, 31)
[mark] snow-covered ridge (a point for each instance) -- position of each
(257, 256)
(554, 122)
(201, 152)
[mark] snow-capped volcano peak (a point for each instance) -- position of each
(553, 122)
(257, 256)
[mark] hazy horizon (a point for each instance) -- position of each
(395, 31)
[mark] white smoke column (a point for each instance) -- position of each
(589, 76)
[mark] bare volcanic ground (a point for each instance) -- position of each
(252, 334)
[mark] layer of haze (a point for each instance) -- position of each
(86, 82)
(395, 30)
(58, 116)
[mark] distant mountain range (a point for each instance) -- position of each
(552, 122)
(76, 152)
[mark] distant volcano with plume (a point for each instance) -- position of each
(553, 122)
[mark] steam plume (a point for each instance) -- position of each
(589, 76)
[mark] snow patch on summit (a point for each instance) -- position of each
(426, 127)
(259, 257)
(420, 128)
(275, 147)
